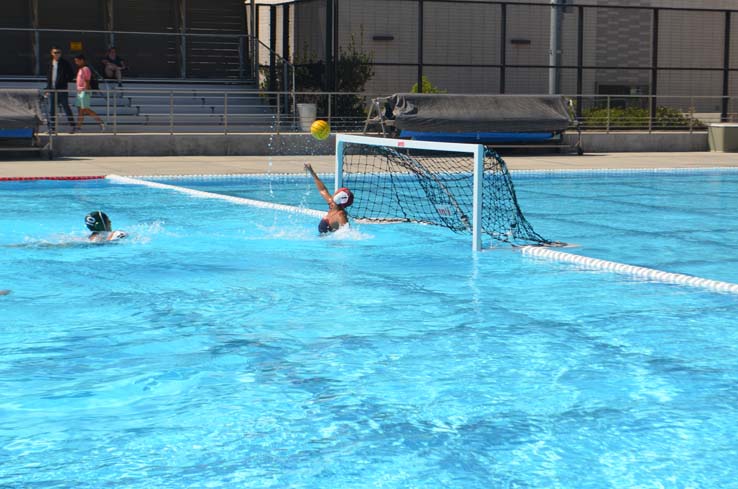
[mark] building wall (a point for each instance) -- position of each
(617, 45)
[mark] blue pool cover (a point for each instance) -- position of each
(16, 133)
(478, 137)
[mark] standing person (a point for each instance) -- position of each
(114, 65)
(59, 76)
(84, 75)
(337, 203)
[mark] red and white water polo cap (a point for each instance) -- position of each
(343, 197)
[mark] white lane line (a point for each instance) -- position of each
(210, 195)
(624, 269)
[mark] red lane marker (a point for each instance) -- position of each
(25, 179)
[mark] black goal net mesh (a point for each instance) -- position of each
(434, 187)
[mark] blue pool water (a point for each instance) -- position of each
(227, 346)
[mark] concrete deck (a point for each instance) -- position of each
(224, 165)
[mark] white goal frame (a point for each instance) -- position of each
(477, 152)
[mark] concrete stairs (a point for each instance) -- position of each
(157, 108)
(163, 107)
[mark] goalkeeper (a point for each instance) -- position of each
(337, 203)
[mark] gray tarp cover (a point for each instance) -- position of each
(20, 109)
(430, 112)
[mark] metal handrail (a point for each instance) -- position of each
(226, 118)
(138, 33)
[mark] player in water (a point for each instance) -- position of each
(102, 230)
(337, 204)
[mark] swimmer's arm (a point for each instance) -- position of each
(116, 235)
(319, 183)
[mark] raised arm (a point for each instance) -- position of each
(321, 186)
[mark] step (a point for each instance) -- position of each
(193, 119)
(190, 99)
(157, 109)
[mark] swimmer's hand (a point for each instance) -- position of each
(309, 167)
(4, 292)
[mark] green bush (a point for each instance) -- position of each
(354, 68)
(427, 87)
(635, 118)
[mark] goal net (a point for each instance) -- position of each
(464, 187)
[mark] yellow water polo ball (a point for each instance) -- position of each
(320, 129)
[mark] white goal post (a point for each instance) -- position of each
(476, 151)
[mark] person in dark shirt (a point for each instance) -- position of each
(114, 65)
(59, 75)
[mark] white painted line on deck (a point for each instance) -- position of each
(210, 195)
(624, 269)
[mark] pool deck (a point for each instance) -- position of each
(228, 165)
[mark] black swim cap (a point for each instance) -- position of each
(97, 221)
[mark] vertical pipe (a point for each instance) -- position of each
(115, 117)
(35, 40)
(110, 22)
(336, 50)
(421, 14)
(286, 55)
(329, 25)
(242, 63)
(254, 43)
(580, 61)
(278, 115)
(477, 198)
(654, 64)
(257, 46)
(182, 38)
(503, 46)
(285, 86)
(286, 31)
(272, 49)
(241, 56)
(171, 113)
(554, 52)
(726, 69)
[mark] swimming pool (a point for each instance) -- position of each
(228, 346)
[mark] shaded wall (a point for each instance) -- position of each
(159, 38)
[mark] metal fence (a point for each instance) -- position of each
(180, 111)
(617, 48)
(164, 55)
